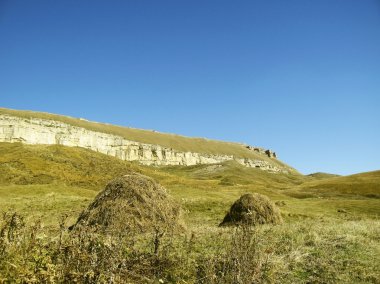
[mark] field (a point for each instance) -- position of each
(330, 232)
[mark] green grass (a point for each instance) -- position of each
(326, 250)
(45, 202)
(330, 234)
(205, 191)
(180, 143)
(363, 185)
(320, 175)
(24, 165)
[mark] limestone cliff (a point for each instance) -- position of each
(44, 131)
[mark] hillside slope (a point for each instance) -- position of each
(22, 164)
(321, 175)
(55, 180)
(363, 184)
(170, 141)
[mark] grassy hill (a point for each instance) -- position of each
(180, 143)
(31, 172)
(320, 175)
(22, 164)
(57, 170)
(324, 239)
(358, 185)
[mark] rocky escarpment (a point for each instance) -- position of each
(269, 153)
(44, 131)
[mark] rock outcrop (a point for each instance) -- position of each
(269, 153)
(44, 131)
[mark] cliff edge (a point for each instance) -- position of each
(129, 143)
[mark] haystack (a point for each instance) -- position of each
(133, 203)
(252, 209)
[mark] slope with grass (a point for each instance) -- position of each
(363, 185)
(147, 147)
(329, 234)
(321, 175)
(56, 175)
(315, 244)
(22, 164)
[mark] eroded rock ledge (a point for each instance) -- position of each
(50, 132)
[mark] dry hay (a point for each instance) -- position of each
(131, 204)
(252, 209)
(280, 203)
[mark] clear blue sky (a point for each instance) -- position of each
(300, 77)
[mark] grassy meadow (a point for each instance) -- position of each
(330, 232)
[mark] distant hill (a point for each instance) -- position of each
(321, 175)
(363, 184)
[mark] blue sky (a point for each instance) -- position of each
(300, 77)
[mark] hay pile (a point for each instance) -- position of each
(252, 209)
(133, 203)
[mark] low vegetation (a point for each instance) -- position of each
(324, 238)
(306, 251)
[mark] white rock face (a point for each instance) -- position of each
(41, 131)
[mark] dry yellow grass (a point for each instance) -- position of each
(315, 244)
(132, 203)
(252, 209)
